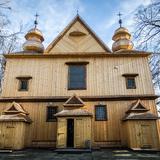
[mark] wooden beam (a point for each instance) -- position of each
(76, 55)
(84, 98)
(130, 74)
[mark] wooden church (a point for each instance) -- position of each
(77, 93)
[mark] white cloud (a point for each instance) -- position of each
(127, 8)
(57, 17)
(130, 6)
(54, 16)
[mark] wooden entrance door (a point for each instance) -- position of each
(61, 133)
(82, 132)
(70, 133)
(74, 132)
(7, 136)
(146, 136)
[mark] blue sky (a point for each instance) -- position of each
(100, 15)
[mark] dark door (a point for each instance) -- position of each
(70, 132)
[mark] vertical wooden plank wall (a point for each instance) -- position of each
(12, 135)
(104, 133)
(135, 135)
(50, 76)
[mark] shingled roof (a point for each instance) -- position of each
(137, 106)
(15, 113)
(15, 118)
(74, 101)
(140, 116)
(74, 112)
(14, 108)
(137, 111)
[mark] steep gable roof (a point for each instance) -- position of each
(74, 101)
(15, 113)
(14, 108)
(77, 33)
(138, 111)
(137, 106)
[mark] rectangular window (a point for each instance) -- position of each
(130, 80)
(51, 110)
(130, 83)
(100, 113)
(23, 84)
(77, 76)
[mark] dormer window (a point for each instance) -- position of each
(130, 80)
(23, 83)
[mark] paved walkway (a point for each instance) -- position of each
(107, 154)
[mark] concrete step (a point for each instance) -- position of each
(6, 151)
(73, 150)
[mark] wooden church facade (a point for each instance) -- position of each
(78, 94)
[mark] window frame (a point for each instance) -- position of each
(47, 109)
(127, 82)
(85, 75)
(130, 76)
(23, 78)
(20, 84)
(106, 113)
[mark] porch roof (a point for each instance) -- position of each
(140, 116)
(73, 112)
(15, 118)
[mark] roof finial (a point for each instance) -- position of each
(36, 22)
(120, 20)
(77, 12)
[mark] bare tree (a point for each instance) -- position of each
(148, 26)
(8, 39)
(147, 36)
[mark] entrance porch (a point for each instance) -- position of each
(74, 126)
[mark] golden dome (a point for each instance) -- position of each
(35, 32)
(34, 39)
(122, 40)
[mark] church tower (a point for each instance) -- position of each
(34, 39)
(121, 38)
